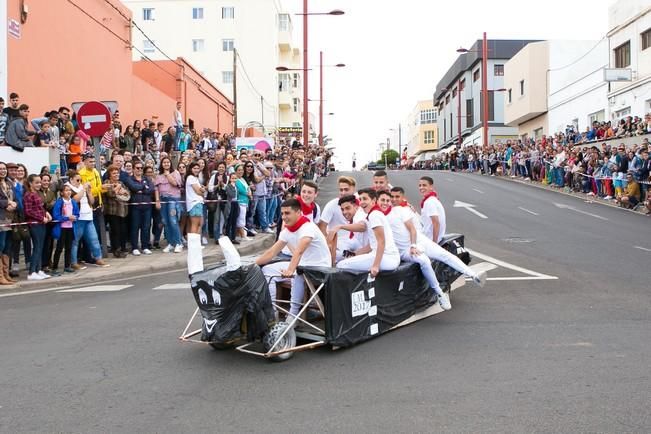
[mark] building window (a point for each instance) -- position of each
(475, 75)
(429, 137)
(537, 133)
(521, 87)
(510, 95)
(647, 106)
(283, 82)
(197, 13)
(296, 103)
(596, 117)
(623, 55)
(491, 105)
(646, 39)
(462, 85)
(295, 80)
(499, 70)
(622, 113)
(197, 45)
(447, 99)
(454, 92)
(445, 129)
(470, 112)
(427, 116)
(284, 22)
(148, 14)
(227, 77)
(228, 44)
(148, 46)
(228, 13)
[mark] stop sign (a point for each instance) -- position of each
(94, 118)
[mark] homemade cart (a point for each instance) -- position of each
(342, 308)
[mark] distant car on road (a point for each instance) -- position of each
(375, 166)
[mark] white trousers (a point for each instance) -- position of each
(438, 253)
(425, 264)
(346, 244)
(365, 261)
(272, 273)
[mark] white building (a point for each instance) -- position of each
(205, 32)
(553, 84)
(629, 41)
(3, 54)
(458, 96)
(419, 129)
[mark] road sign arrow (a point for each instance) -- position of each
(571, 208)
(470, 207)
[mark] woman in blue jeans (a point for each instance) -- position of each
(7, 208)
(36, 215)
(168, 199)
(142, 194)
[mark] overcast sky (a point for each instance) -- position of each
(396, 52)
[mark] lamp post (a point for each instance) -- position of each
(306, 117)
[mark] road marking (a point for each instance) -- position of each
(99, 288)
(531, 273)
(562, 206)
(449, 179)
(172, 286)
(518, 278)
(469, 207)
(478, 190)
(527, 210)
(642, 248)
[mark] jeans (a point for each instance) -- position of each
(259, 211)
(3, 240)
(37, 233)
(231, 223)
(64, 242)
(27, 249)
(84, 229)
(157, 223)
(219, 221)
(117, 232)
(170, 213)
(140, 223)
(177, 137)
(272, 205)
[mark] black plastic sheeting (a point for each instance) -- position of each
(357, 309)
(224, 297)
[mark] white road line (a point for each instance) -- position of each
(562, 206)
(172, 286)
(511, 266)
(518, 278)
(470, 207)
(642, 248)
(99, 288)
(529, 211)
(449, 179)
(478, 190)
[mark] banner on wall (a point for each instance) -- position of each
(251, 143)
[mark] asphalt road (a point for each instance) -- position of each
(557, 341)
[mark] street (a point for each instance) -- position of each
(557, 340)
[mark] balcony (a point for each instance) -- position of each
(284, 99)
(284, 40)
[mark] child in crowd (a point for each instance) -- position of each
(66, 213)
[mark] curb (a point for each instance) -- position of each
(582, 196)
(178, 263)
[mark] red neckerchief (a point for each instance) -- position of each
(375, 208)
(351, 234)
(427, 196)
(305, 208)
(405, 204)
(300, 222)
(388, 210)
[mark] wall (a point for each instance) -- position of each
(529, 64)
(99, 67)
(3, 54)
(532, 125)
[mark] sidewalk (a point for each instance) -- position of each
(565, 191)
(135, 266)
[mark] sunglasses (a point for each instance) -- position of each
(137, 168)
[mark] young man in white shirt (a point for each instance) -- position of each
(307, 197)
(405, 236)
(432, 217)
(308, 246)
(352, 243)
(332, 216)
(381, 181)
(381, 254)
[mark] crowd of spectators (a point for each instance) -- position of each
(145, 194)
(581, 162)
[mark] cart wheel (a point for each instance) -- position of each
(288, 341)
(222, 346)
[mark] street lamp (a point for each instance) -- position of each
(306, 118)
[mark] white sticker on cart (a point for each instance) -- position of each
(359, 304)
(372, 311)
(402, 285)
(371, 292)
(374, 329)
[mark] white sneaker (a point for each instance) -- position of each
(608, 197)
(204, 241)
(135, 252)
(178, 248)
(168, 248)
(444, 302)
(480, 279)
(268, 231)
(43, 275)
(590, 193)
(253, 231)
(15, 268)
(35, 276)
(146, 252)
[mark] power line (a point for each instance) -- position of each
(584, 55)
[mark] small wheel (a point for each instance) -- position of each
(288, 341)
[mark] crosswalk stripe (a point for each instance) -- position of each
(98, 288)
(172, 286)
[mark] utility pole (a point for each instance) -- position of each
(399, 138)
(235, 91)
(262, 109)
(306, 114)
